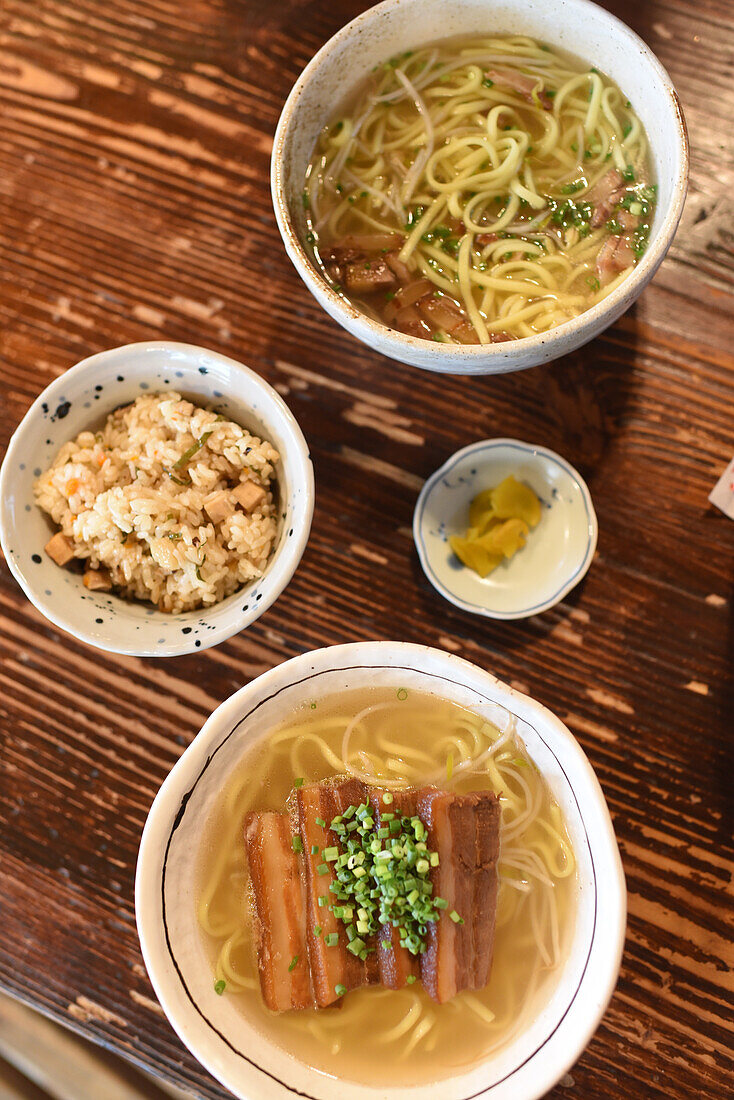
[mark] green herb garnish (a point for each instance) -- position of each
(297, 844)
(382, 874)
(189, 454)
(219, 987)
(293, 963)
(178, 480)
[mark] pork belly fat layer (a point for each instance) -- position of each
(280, 912)
(396, 964)
(330, 966)
(464, 831)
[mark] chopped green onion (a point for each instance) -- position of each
(298, 782)
(294, 963)
(314, 849)
(297, 843)
(320, 821)
(317, 930)
(440, 903)
(455, 917)
(411, 979)
(331, 939)
(219, 987)
(322, 869)
(340, 989)
(330, 854)
(189, 454)
(178, 480)
(322, 900)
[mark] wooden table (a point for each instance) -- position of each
(134, 204)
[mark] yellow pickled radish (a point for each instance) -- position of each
(499, 523)
(506, 538)
(481, 509)
(472, 554)
(513, 500)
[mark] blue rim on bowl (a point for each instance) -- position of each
(558, 552)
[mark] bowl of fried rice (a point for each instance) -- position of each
(156, 499)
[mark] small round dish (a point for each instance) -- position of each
(233, 1043)
(391, 27)
(81, 399)
(558, 551)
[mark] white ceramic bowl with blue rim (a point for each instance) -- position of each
(557, 554)
(578, 26)
(81, 399)
(237, 1048)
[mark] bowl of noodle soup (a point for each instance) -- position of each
(393, 714)
(469, 189)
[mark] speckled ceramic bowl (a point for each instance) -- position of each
(235, 1045)
(582, 28)
(557, 554)
(81, 399)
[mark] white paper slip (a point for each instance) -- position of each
(722, 494)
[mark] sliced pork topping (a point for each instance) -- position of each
(615, 255)
(529, 87)
(282, 955)
(605, 195)
(335, 968)
(464, 832)
(367, 276)
(375, 885)
(398, 966)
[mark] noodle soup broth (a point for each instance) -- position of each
(392, 738)
(479, 190)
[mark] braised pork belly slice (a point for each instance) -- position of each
(280, 910)
(396, 963)
(332, 966)
(464, 831)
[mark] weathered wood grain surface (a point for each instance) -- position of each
(134, 204)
